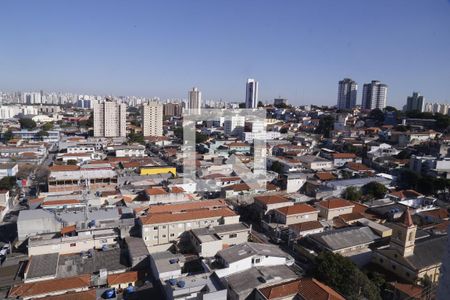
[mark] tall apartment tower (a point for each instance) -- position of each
(347, 94)
(172, 109)
(374, 95)
(251, 93)
(110, 119)
(415, 102)
(195, 100)
(152, 119)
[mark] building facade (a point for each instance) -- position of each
(152, 119)
(195, 100)
(374, 95)
(415, 102)
(110, 119)
(251, 94)
(347, 94)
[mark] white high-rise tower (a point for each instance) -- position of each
(251, 94)
(152, 119)
(195, 100)
(374, 95)
(347, 94)
(110, 119)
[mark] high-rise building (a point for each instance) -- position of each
(374, 95)
(172, 110)
(152, 119)
(195, 100)
(251, 94)
(110, 118)
(347, 94)
(415, 102)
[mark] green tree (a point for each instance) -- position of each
(26, 123)
(352, 193)
(374, 190)
(326, 124)
(200, 137)
(344, 276)
(377, 115)
(7, 136)
(47, 126)
(407, 179)
(277, 167)
(178, 132)
(136, 138)
(7, 183)
(72, 162)
(41, 134)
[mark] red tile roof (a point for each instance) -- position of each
(406, 219)
(86, 295)
(61, 202)
(58, 168)
(335, 203)
(186, 216)
(306, 288)
(406, 194)
(180, 207)
(325, 176)
(343, 155)
(44, 287)
(120, 278)
(305, 226)
(357, 167)
(271, 199)
(297, 209)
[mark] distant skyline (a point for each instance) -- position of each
(297, 50)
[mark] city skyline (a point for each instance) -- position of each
(297, 51)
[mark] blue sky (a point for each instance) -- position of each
(295, 49)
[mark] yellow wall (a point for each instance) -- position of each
(158, 170)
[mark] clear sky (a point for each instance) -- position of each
(295, 49)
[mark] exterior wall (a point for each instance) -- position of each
(235, 238)
(34, 227)
(160, 234)
(330, 214)
(167, 198)
(70, 245)
(300, 218)
(320, 165)
(130, 153)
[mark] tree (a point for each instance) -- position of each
(352, 193)
(41, 134)
(47, 126)
(344, 276)
(277, 167)
(200, 137)
(72, 162)
(407, 179)
(374, 190)
(8, 135)
(136, 138)
(326, 125)
(7, 183)
(26, 123)
(377, 115)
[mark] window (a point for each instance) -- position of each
(233, 235)
(73, 244)
(256, 260)
(172, 234)
(163, 235)
(155, 228)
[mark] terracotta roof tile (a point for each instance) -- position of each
(126, 277)
(335, 203)
(185, 216)
(86, 295)
(297, 209)
(343, 155)
(58, 168)
(305, 226)
(180, 207)
(271, 199)
(403, 194)
(325, 176)
(44, 287)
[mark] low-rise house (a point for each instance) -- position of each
(77, 180)
(42, 289)
(122, 280)
(165, 195)
(297, 213)
(248, 255)
(340, 159)
(334, 207)
(166, 265)
(208, 241)
(127, 150)
(303, 229)
(8, 169)
(315, 163)
(403, 195)
(305, 289)
(264, 204)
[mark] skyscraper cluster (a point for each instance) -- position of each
(374, 94)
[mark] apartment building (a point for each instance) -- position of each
(334, 207)
(109, 119)
(165, 225)
(152, 119)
